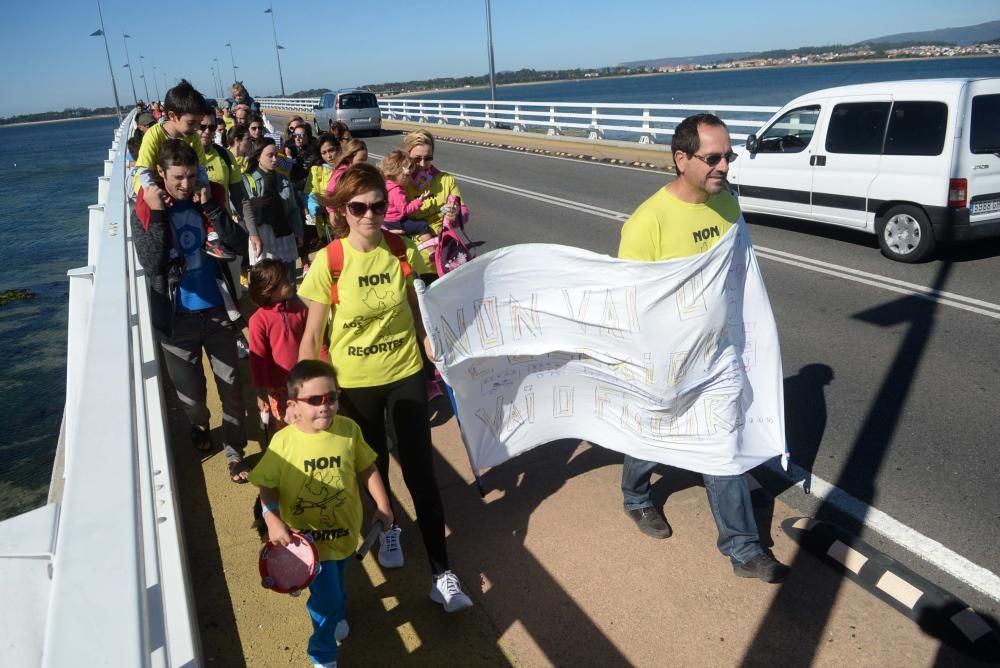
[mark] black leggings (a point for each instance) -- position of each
(406, 403)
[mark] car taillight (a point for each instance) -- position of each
(958, 193)
(336, 104)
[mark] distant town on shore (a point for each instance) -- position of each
(945, 43)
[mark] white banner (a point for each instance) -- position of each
(675, 362)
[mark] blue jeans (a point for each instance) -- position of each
(728, 497)
(327, 604)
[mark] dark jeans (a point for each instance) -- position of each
(405, 401)
(213, 331)
(728, 497)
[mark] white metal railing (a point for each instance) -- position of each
(605, 120)
(119, 593)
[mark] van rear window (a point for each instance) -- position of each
(985, 133)
(357, 101)
(916, 128)
(857, 128)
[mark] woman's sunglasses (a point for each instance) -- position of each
(422, 158)
(328, 399)
(359, 209)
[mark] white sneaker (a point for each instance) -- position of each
(390, 551)
(447, 590)
(328, 664)
(342, 630)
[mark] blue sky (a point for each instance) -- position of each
(49, 62)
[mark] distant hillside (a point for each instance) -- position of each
(965, 36)
(962, 36)
(685, 60)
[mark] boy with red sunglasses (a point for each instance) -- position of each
(310, 480)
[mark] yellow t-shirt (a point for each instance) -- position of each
(439, 189)
(664, 227)
(219, 172)
(316, 476)
(149, 152)
(372, 339)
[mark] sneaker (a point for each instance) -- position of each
(764, 567)
(242, 347)
(201, 438)
(390, 551)
(215, 248)
(447, 590)
(328, 664)
(342, 630)
(650, 522)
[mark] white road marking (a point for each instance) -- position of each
(981, 579)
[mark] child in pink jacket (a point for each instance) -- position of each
(396, 169)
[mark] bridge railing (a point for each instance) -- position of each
(646, 123)
(288, 103)
(119, 593)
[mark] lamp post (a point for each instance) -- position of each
(156, 84)
(277, 47)
(128, 65)
(489, 47)
(218, 73)
(107, 51)
(232, 60)
(142, 68)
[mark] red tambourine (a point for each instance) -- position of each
(288, 569)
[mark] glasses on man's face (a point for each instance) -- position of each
(254, 128)
(712, 159)
(359, 209)
(328, 399)
(421, 158)
(205, 126)
(299, 135)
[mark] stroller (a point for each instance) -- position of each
(454, 247)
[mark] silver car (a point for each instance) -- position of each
(358, 109)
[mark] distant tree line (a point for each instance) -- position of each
(877, 47)
(68, 112)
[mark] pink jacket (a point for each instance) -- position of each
(399, 209)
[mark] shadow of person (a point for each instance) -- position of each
(806, 414)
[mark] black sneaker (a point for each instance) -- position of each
(764, 567)
(217, 249)
(650, 522)
(201, 439)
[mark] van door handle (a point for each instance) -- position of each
(817, 160)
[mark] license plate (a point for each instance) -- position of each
(361, 120)
(986, 206)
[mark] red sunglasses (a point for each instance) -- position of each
(330, 398)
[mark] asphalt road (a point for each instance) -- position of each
(890, 397)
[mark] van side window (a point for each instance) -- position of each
(791, 133)
(326, 102)
(916, 128)
(857, 128)
(985, 133)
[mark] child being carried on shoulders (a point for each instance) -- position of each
(276, 330)
(323, 500)
(396, 167)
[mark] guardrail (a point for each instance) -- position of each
(119, 593)
(647, 123)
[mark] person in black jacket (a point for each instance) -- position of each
(191, 296)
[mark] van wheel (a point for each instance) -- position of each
(905, 234)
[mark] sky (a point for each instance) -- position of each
(49, 61)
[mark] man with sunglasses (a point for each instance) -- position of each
(687, 217)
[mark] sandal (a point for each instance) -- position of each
(201, 439)
(239, 472)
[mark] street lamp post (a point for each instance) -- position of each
(489, 47)
(128, 65)
(218, 73)
(277, 47)
(142, 69)
(156, 84)
(232, 60)
(107, 51)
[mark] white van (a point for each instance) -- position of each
(358, 109)
(915, 162)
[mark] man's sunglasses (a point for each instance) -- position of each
(712, 159)
(204, 127)
(359, 209)
(328, 399)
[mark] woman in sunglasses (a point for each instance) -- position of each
(375, 341)
(427, 180)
